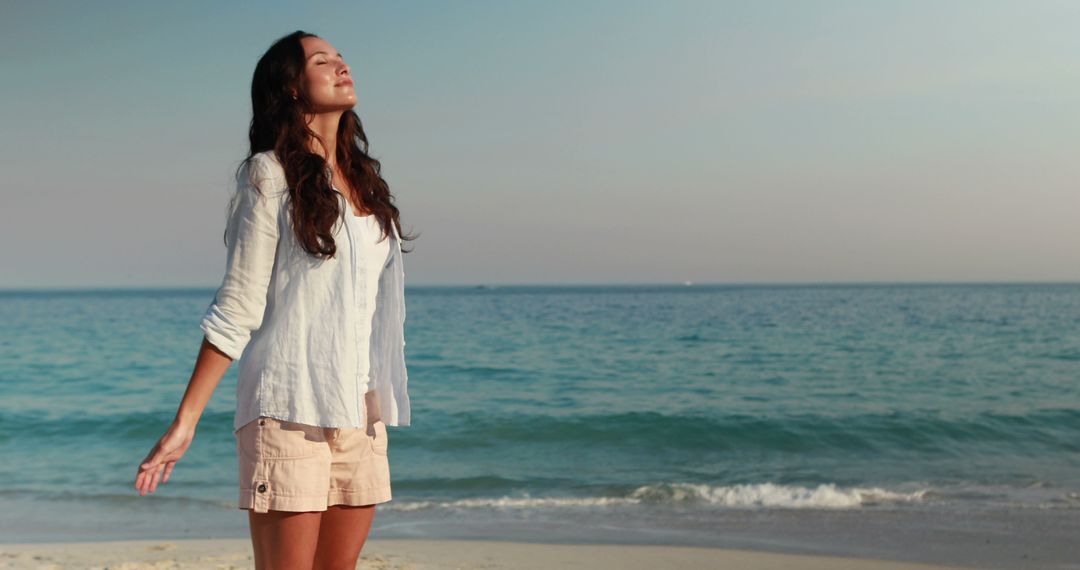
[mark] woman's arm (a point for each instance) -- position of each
(251, 237)
(210, 366)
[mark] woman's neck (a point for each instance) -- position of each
(325, 126)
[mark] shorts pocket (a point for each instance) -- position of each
(377, 435)
(280, 439)
(247, 441)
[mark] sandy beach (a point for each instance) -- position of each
(407, 554)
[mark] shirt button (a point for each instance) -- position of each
(262, 487)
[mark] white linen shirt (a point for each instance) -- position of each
(373, 253)
(293, 320)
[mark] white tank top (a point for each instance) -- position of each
(372, 259)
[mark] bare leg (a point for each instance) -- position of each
(342, 535)
(284, 540)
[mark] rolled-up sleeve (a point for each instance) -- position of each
(251, 238)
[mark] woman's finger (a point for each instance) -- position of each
(168, 470)
(145, 471)
(157, 478)
(140, 481)
(152, 458)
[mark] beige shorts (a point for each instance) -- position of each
(289, 466)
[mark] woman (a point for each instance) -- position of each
(312, 306)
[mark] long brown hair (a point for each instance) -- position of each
(278, 124)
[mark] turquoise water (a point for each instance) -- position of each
(682, 408)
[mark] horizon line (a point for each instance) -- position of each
(598, 284)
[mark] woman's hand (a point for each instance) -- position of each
(168, 450)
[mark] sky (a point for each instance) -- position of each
(577, 142)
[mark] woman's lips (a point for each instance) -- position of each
(343, 83)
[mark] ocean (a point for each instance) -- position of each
(820, 418)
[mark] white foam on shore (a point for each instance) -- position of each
(825, 496)
(763, 495)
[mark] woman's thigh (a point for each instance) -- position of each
(342, 534)
(326, 540)
(284, 540)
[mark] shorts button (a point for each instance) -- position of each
(262, 422)
(262, 487)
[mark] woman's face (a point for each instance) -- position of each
(327, 80)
